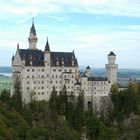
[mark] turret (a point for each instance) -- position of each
(88, 72)
(112, 68)
(47, 53)
(32, 39)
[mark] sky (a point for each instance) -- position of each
(92, 28)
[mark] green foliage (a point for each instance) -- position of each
(79, 113)
(16, 100)
(62, 102)
(5, 96)
(64, 117)
(53, 105)
(96, 129)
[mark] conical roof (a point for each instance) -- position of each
(32, 30)
(47, 47)
(111, 54)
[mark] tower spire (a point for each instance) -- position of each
(47, 47)
(32, 36)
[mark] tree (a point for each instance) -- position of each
(53, 105)
(79, 113)
(5, 96)
(71, 109)
(17, 96)
(62, 102)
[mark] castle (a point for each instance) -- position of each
(39, 71)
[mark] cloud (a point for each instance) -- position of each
(102, 7)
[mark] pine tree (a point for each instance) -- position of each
(79, 113)
(16, 101)
(5, 96)
(71, 110)
(53, 105)
(62, 102)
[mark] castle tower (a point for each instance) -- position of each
(47, 53)
(112, 68)
(47, 63)
(32, 39)
(88, 72)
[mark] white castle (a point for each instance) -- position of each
(39, 71)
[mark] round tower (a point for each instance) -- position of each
(32, 39)
(112, 68)
(88, 72)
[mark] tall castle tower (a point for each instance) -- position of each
(32, 39)
(112, 68)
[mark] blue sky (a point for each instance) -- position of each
(92, 28)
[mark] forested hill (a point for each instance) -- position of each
(63, 117)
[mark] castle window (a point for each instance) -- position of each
(42, 82)
(56, 76)
(28, 82)
(42, 70)
(28, 69)
(33, 70)
(28, 88)
(38, 93)
(54, 70)
(70, 70)
(42, 76)
(52, 76)
(32, 76)
(59, 81)
(59, 70)
(65, 70)
(34, 82)
(42, 87)
(60, 76)
(72, 76)
(27, 76)
(56, 82)
(42, 93)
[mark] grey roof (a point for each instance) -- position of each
(111, 54)
(47, 47)
(63, 56)
(37, 58)
(97, 79)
